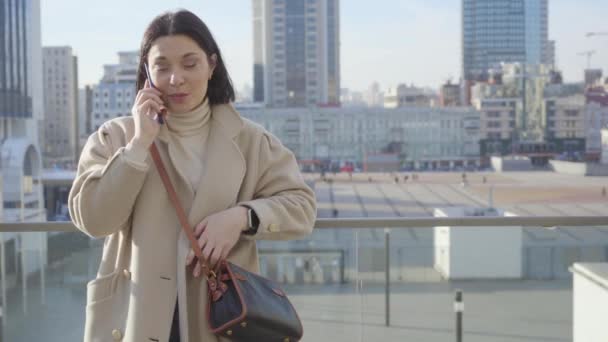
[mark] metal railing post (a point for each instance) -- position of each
(2, 281)
(458, 309)
(387, 275)
(1, 321)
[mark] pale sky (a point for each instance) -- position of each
(388, 41)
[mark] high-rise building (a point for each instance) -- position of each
(85, 110)
(596, 117)
(403, 96)
(296, 52)
(593, 77)
(550, 54)
(59, 129)
(374, 96)
(449, 95)
(495, 31)
(113, 96)
(21, 105)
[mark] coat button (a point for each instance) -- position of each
(273, 227)
(126, 273)
(116, 335)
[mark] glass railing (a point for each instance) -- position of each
(515, 281)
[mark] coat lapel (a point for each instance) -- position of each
(224, 166)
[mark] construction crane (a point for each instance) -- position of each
(588, 53)
(589, 34)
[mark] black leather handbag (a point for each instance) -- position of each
(242, 305)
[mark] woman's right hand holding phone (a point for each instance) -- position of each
(147, 105)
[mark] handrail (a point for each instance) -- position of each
(549, 222)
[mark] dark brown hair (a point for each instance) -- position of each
(184, 22)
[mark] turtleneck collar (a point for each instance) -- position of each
(189, 123)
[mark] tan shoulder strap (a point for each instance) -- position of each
(181, 215)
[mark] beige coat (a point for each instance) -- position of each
(143, 265)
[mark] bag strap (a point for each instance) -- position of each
(181, 214)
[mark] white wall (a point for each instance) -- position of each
(604, 146)
(590, 308)
(579, 168)
(477, 252)
(501, 164)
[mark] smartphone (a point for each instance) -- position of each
(159, 117)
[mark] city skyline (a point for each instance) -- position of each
(384, 59)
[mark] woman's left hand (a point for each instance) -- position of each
(217, 234)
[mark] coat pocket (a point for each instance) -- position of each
(105, 319)
(101, 288)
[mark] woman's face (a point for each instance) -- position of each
(181, 70)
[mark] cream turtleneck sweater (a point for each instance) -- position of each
(188, 133)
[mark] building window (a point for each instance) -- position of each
(493, 124)
(494, 135)
(493, 114)
(572, 113)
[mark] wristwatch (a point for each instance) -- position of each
(252, 222)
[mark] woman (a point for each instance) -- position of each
(223, 168)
